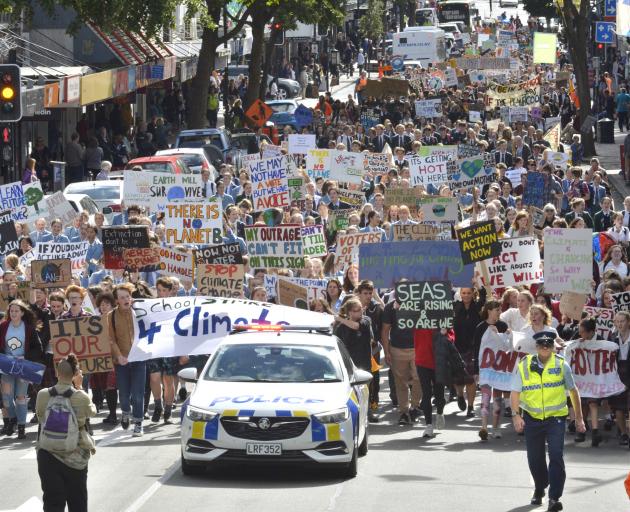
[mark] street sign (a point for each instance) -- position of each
(604, 32)
(610, 8)
(259, 113)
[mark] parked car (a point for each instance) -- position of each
(84, 203)
(286, 88)
(168, 163)
(106, 194)
(195, 158)
(283, 113)
(220, 138)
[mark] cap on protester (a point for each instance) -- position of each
(546, 339)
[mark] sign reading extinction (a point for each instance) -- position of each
(478, 242)
(117, 239)
(425, 305)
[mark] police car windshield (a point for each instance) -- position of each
(275, 363)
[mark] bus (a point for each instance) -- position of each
(457, 10)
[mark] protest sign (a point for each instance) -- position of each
(482, 63)
(303, 115)
(87, 338)
(347, 251)
(318, 163)
(621, 301)
(568, 260)
(429, 108)
(498, 358)
(313, 241)
(270, 150)
(60, 208)
(604, 320)
(545, 48)
(12, 198)
(536, 189)
(224, 253)
(15, 290)
(292, 294)
(557, 159)
(22, 368)
(338, 220)
(74, 251)
(315, 288)
(270, 186)
(424, 305)
(377, 163)
(142, 259)
(467, 150)
(474, 171)
(27, 257)
(448, 152)
(54, 273)
(117, 239)
(478, 242)
(413, 232)
(474, 116)
(369, 118)
(347, 167)
(406, 196)
(518, 114)
(537, 215)
(572, 304)
(517, 264)
(219, 280)
(437, 208)
(194, 223)
(300, 143)
(274, 246)
(386, 263)
(594, 367)
(35, 202)
(297, 192)
(352, 194)
(153, 189)
(176, 263)
(180, 326)
(427, 170)
(8, 234)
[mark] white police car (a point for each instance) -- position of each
(276, 394)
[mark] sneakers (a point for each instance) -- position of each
(440, 422)
(461, 403)
(580, 437)
(137, 430)
(596, 438)
(537, 498)
(414, 414)
(572, 427)
(497, 434)
(623, 440)
(554, 506)
(21, 432)
(157, 413)
(428, 432)
(483, 434)
(470, 413)
(404, 419)
(124, 421)
(372, 417)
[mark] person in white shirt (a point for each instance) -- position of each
(615, 259)
(618, 232)
(518, 318)
(106, 166)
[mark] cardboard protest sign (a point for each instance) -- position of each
(429, 108)
(437, 209)
(537, 215)
(274, 246)
(474, 171)
(536, 189)
(55, 273)
(572, 304)
(175, 263)
(315, 288)
(386, 263)
(406, 196)
(75, 251)
(270, 187)
(377, 163)
(352, 194)
(412, 232)
(424, 305)
(482, 63)
(194, 223)
(12, 198)
(314, 241)
(60, 208)
(568, 260)
(224, 253)
(87, 338)
(594, 366)
(604, 320)
(347, 167)
(517, 264)
(300, 143)
(117, 239)
(498, 358)
(16, 290)
(8, 234)
(218, 280)
(347, 251)
(141, 258)
(153, 189)
(621, 301)
(318, 163)
(427, 170)
(203, 322)
(448, 152)
(478, 242)
(291, 294)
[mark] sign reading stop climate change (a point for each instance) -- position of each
(85, 337)
(425, 305)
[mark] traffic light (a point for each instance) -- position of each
(10, 98)
(278, 33)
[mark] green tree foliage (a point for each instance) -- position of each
(541, 8)
(371, 23)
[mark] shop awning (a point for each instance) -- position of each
(54, 71)
(132, 47)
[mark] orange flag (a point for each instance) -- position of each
(573, 94)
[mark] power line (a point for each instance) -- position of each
(41, 63)
(64, 48)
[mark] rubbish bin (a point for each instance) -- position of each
(606, 131)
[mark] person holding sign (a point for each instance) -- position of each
(620, 403)
(539, 387)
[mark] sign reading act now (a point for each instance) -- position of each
(478, 242)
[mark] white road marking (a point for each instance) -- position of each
(33, 504)
(333, 500)
(155, 487)
(31, 454)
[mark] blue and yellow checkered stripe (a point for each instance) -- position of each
(332, 431)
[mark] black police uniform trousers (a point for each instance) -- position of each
(62, 484)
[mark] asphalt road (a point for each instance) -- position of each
(453, 471)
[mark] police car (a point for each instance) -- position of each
(275, 394)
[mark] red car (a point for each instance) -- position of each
(171, 164)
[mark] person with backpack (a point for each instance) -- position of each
(19, 339)
(64, 446)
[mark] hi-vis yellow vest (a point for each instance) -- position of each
(543, 396)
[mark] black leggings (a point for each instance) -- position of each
(430, 388)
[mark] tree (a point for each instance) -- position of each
(577, 29)
(371, 23)
(541, 8)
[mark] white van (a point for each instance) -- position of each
(426, 44)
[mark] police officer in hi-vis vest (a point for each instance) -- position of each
(539, 388)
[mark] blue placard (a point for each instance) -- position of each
(303, 116)
(610, 8)
(536, 189)
(397, 63)
(25, 370)
(425, 260)
(604, 32)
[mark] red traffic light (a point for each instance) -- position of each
(6, 135)
(277, 26)
(600, 46)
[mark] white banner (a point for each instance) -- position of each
(153, 189)
(181, 326)
(594, 367)
(499, 356)
(74, 251)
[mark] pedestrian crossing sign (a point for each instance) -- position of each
(604, 32)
